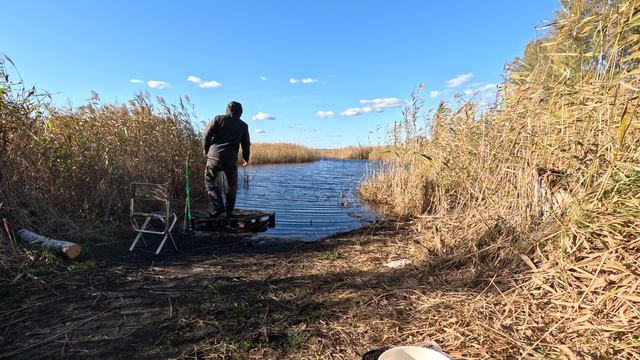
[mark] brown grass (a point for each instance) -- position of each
(68, 169)
(567, 105)
(357, 152)
(277, 153)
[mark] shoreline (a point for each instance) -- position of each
(230, 298)
(226, 299)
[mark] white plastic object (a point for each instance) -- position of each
(412, 353)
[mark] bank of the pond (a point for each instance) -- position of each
(235, 298)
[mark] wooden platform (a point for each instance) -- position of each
(241, 221)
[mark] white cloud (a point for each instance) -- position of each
(263, 77)
(434, 94)
(263, 116)
(325, 114)
(351, 112)
(136, 81)
(459, 80)
(383, 103)
(360, 111)
(157, 84)
(374, 105)
(488, 88)
(303, 81)
(260, 131)
(487, 93)
(194, 79)
(204, 84)
(210, 84)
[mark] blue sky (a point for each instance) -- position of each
(319, 73)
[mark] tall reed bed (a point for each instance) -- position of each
(355, 152)
(349, 152)
(277, 153)
(63, 170)
(567, 273)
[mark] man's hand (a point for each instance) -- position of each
(244, 163)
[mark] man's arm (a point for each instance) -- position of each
(245, 142)
(208, 136)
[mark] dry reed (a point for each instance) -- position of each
(277, 153)
(573, 270)
(356, 152)
(63, 168)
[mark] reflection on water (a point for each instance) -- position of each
(311, 200)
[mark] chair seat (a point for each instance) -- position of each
(156, 215)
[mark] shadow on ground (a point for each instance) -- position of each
(228, 297)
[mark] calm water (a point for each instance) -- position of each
(311, 200)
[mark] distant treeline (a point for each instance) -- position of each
(355, 152)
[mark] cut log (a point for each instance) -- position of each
(71, 250)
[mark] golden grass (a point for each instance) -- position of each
(356, 152)
(277, 153)
(574, 277)
(404, 188)
(62, 168)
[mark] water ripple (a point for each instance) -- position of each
(311, 200)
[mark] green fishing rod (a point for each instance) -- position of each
(187, 205)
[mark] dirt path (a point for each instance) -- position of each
(232, 298)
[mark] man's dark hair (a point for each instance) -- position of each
(234, 109)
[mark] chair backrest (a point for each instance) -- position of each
(146, 192)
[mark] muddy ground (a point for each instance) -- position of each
(230, 297)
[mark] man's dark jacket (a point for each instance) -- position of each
(224, 135)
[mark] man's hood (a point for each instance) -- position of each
(234, 109)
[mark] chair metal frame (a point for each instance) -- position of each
(158, 193)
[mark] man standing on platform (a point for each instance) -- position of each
(222, 139)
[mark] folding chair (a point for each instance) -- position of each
(148, 195)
